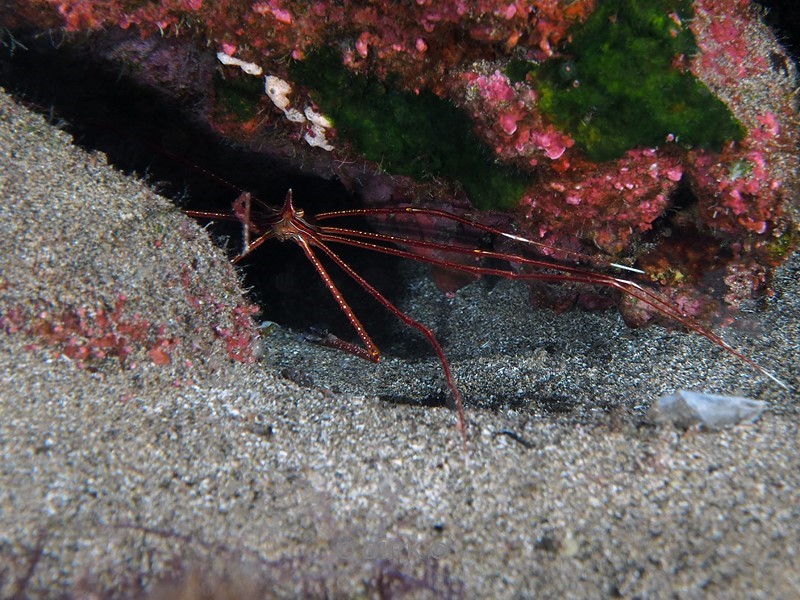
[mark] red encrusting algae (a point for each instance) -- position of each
(743, 195)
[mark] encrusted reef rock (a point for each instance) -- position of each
(661, 132)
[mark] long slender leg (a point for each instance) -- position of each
(472, 224)
(429, 335)
(205, 214)
(305, 236)
(370, 351)
(567, 274)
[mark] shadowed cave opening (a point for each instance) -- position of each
(143, 133)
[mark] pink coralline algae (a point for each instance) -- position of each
(741, 196)
(507, 119)
(235, 327)
(419, 39)
(86, 335)
(614, 202)
(739, 190)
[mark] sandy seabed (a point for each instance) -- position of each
(115, 477)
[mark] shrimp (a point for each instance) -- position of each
(289, 223)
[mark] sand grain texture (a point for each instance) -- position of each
(122, 474)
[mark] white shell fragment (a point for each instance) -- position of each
(247, 67)
(317, 119)
(685, 409)
(278, 91)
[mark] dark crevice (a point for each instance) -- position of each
(143, 132)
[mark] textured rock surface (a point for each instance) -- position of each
(658, 131)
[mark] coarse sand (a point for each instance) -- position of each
(118, 474)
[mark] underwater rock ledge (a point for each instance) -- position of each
(659, 133)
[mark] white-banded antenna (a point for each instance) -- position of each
(518, 238)
(627, 268)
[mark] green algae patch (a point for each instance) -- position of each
(617, 85)
(238, 96)
(419, 135)
(780, 247)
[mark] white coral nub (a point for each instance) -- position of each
(317, 119)
(318, 124)
(278, 91)
(247, 67)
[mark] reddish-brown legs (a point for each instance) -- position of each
(288, 223)
(566, 273)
